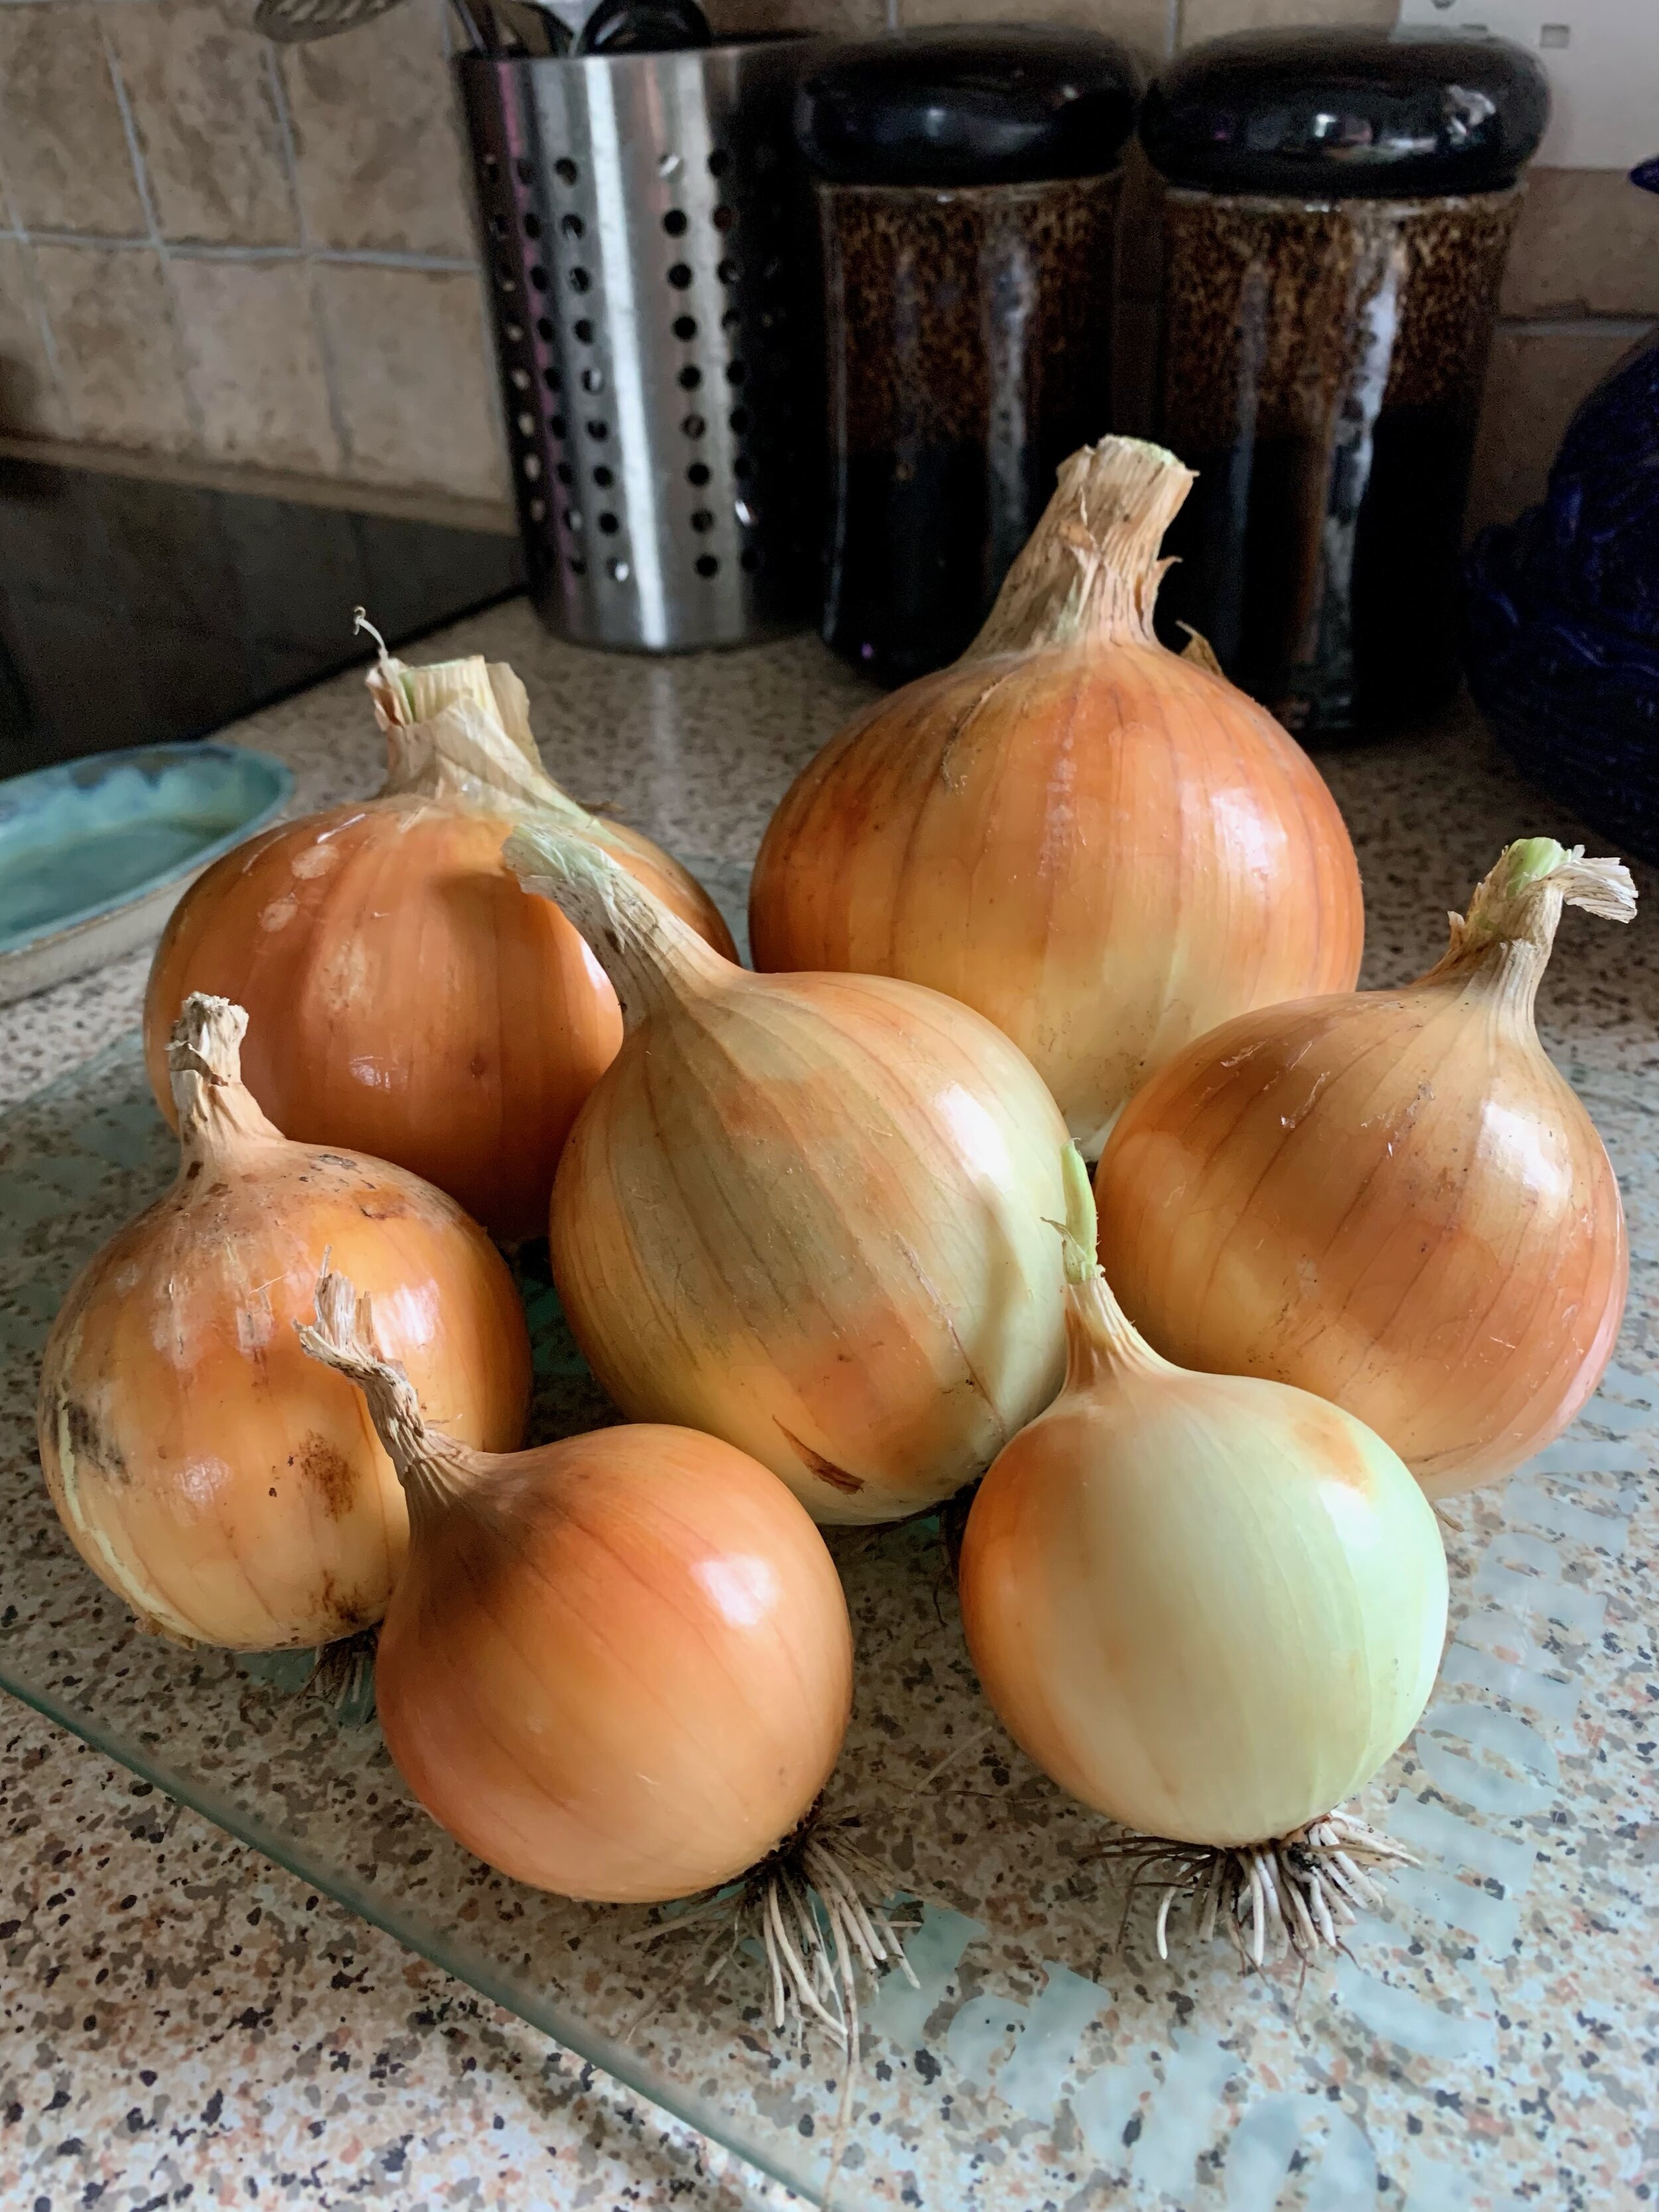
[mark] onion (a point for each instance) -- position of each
(1100, 844)
(1390, 1198)
(406, 999)
(804, 1213)
(619, 1666)
(1211, 1608)
(226, 1488)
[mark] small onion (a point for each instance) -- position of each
(1101, 845)
(804, 1213)
(1390, 1198)
(228, 1490)
(406, 999)
(1209, 1607)
(619, 1666)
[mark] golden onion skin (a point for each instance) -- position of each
(808, 1214)
(229, 1489)
(1209, 1607)
(620, 1667)
(406, 999)
(1101, 847)
(1391, 1199)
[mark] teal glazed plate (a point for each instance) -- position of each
(95, 854)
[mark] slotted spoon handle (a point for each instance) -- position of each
(291, 22)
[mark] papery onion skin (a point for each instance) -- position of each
(1208, 1606)
(1102, 846)
(805, 1213)
(1389, 1197)
(629, 1677)
(227, 1489)
(841, 1363)
(406, 999)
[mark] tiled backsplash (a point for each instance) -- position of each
(223, 251)
(235, 252)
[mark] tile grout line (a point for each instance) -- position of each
(135, 149)
(290, 152)
(18, 231)
(486, 306)
(14, 222)
(366, 257)
(1578, 326)
(43, 324)
(141, 178)
(1624, 323)
(337, 415)
(343, 257)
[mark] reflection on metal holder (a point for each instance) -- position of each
(653, 276)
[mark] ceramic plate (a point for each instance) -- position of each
(95, 854)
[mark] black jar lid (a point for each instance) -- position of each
(1346, 114)
(990, 104)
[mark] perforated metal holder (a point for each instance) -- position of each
(653, 273)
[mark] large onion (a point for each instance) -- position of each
(406, 999)
(1101, 845)
(804, 1213)
(619, 1666)
(1209, 1607)
(1390, 1198)
(228, 1490)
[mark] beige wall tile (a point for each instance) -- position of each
(1142, 25)
(62, 145)
(31, 406)
(1535, 381)
(1212, 18)
(118, 356)
(199, 87)
(1587, 244)
(377, 138)
(254, 363)
(844, 19)
(413, 377)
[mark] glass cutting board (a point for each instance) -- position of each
(1487, 2046)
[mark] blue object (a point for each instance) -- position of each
(119, 832)
(1562, 619)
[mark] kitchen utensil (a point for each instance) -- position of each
(643, 27)
(538, 28)
(652, 279)
(572, 14)
(293, 22)
(472, 30)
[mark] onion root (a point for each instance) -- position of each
(1294, 1894)
(811, 1907)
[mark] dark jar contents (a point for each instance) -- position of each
(1339, 212)
(967, 187)
(969, 352)
(1322, 368)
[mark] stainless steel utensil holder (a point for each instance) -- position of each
(653, 276)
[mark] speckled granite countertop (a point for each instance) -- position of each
(180, 2021)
